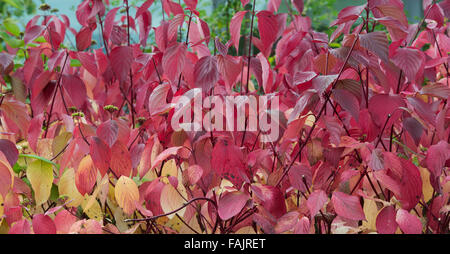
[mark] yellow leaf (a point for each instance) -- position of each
(119, 217)
(1, 206)
(91, 200)
(40, 174)
(172, 200)
(371, 211)
(126, 193)
(94, 211)
(68, 188)
(170, 168)
(4, 228)
(426, 185)
(60, 142)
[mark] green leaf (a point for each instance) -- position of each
(54, 193)
(17, 168)
(75, 63)
(12, 27)
(40, 39)
(15, 3)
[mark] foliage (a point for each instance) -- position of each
(87, 144)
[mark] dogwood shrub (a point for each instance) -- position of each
(87, 144)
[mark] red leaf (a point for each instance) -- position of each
(377, 43)
(76, 89)
(87, 60)
(174, 59)
(347, 206)
(298, 5)
(296, 175)
(410, 61)
(235, 28)
(206, 73)
(316, 201)
(144, 7)
(436, 157)
(411, 185)
(347, 101)
(108, 132)
(408, 223)
(231, 204)
(101, 154)
(385, 221)
(43, 224)
(192, 4)
(121, 59)
(120, 160)
(348, 13)
(230, 68)
(228, 162)
(270, 27)
(85, 176)
(109, 22)
(84, 38)
(382, 105)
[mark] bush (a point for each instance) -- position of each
(89, 142)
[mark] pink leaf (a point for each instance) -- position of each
(63, 221)
(32, 33)
(316, 201)
(302, 226)
(84, 38)
(436, 157)
(76, 90)
(206, 73)
(410, 61)
(385, 221)
(270, 26)
(235, 28)
(174, 59)
(347, 206)
(121, 59)
(21, 227)
(408, 223)
(43, 224)
(108, 132)
(272, 199)
(165, 154)
(144, 7)
(192, 4)
(382, 105)
(231, 204)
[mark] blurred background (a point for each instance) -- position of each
(217, 13)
